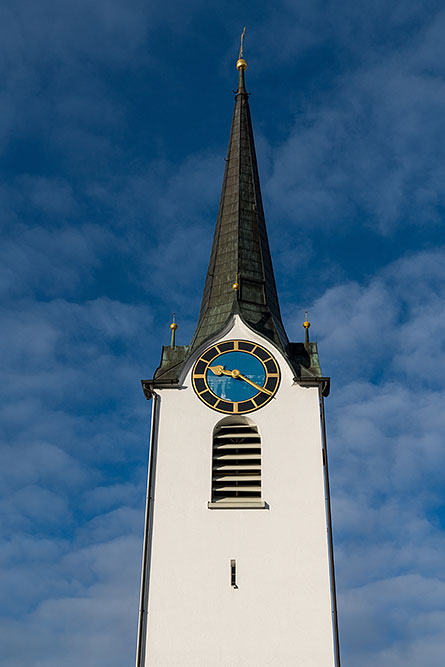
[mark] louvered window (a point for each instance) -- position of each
(236, 465)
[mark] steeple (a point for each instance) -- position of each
(238, 464)
(240, 278)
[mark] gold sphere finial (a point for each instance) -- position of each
(306, 324)
(241, 63)
(173, 325)
(235, 285)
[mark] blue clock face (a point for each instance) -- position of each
(229, 387)
(236, 377)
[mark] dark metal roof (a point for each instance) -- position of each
(240, 245)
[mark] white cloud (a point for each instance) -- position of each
(395, 622)
(49, 261)
(94, 625)
(372, 146)
(103, 498)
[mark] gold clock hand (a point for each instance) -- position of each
(220, 370)
(254, 384)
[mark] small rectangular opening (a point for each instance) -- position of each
(233, 573)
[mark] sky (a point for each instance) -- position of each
(114, 123)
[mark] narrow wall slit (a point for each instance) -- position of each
(233, 574)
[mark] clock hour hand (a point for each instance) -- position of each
(220, 370)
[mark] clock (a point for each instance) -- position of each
(236, 376)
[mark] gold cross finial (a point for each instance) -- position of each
(241, 63)
(242, 43)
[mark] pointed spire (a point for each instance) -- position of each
(240, 245)
(241, 83)
(173, 327)
(241, 66)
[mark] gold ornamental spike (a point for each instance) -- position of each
(235, 285)
(306, 325)
(173, 327)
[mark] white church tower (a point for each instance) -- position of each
(238, 561)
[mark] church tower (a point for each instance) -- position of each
(238, 562)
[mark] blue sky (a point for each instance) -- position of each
(114, 122)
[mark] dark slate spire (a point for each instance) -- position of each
(240, 277)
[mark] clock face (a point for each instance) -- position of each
(236, 376)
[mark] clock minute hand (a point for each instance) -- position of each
(220, 370)
(254, 384)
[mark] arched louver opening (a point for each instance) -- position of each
(236, 464)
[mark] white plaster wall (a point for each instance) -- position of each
(280, 615)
